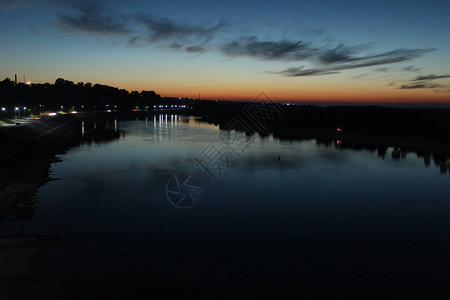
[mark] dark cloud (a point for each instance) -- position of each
(268, 50)
(299, 72)
(195, 49)
(431, 77)
(175, 46)
(390, 57)
(411, 69)
(142, 30)
(425, 82)
(136, 41)
(163, 29)
(421, 85)
(92, 18)
(328, 60)
(395, 56)
(339, 54)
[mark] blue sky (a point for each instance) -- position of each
(302, 50)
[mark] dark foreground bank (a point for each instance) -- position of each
(25, 158)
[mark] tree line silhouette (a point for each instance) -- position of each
(433, 124)
(427, 123)
(79, 96)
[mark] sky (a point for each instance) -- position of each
(312, 51)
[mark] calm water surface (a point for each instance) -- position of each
(318, 216)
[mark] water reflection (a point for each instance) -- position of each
(300, 208)
(440, 159)
(165, 127)
(99, 131)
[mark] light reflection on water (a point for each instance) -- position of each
(316, 207)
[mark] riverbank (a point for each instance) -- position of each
(417, 144)
(23, 169)
(26, 153)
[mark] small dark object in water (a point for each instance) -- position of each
(279, 157)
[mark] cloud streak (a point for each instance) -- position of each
(143, 30)
(327, 60)
(268, 50)
(300, 71)
(195, 49)
(411, 69)
(91, 18)
(431, 77)
(425, 82)
(140, 29)
(161, 29)
(349, 62)
(421, 85)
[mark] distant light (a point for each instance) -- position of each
(3, 109)
(28, 83)
(108, 110)
(82, 106)
(166, 105)
(339, 129)
(52, 114)
(74, 111)
(16, 108)
(24, 107)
